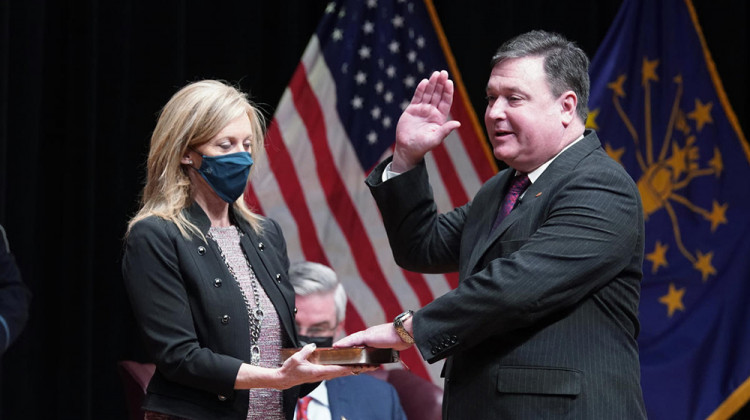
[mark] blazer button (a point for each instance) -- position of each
(217, 282)
(261, 246)
(278, 277)
(454, 339)
(225, 319)
(433, 351)
(201, 250)
(221, 397)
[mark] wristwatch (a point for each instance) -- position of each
(398, 324)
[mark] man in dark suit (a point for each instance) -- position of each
(543, 323)
(320, 301)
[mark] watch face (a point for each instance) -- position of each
(401, 317)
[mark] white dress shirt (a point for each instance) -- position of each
(319, 409)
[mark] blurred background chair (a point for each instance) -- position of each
(420, 398)
(135, 377)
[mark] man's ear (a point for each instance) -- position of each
(568, 105)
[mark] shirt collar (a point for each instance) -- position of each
(320, 394)
(536, 173)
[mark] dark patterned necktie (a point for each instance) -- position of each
(517, 187)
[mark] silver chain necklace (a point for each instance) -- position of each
(255, 316)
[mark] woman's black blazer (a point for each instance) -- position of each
(193, 317)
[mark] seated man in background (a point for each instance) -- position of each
(321, 307)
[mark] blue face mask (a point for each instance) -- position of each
(227, 174)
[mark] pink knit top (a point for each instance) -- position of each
(264, 403)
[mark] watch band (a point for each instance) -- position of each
(398, 324)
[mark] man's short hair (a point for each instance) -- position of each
(565, 64)
(309, 278)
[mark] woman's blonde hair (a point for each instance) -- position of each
(194, 115)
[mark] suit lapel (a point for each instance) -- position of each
(561, 165)
(487, 205)
(531, 193)
(488, 238)
(339, 391)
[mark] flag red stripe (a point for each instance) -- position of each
(452, 279)
(290, 187)
(450, 176)
(341, 204)
(337, 196)
(353, 321)
(419, 284)
(283, 168)
(252, 201)
(414, 361)
(472, 143)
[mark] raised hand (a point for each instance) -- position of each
(424, 123)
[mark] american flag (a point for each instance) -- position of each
(335, 121)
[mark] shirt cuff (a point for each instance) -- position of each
(388, 173)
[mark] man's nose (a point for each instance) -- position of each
(497, 110)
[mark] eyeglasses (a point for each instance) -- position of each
(316, 331)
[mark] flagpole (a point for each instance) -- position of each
(741, 395)
(456, 76)
(719, 89)
(733, 403)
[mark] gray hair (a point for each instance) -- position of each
(309, 278)
(565, 64)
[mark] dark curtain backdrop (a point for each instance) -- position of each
(81, 83)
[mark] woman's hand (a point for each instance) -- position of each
(295, 370)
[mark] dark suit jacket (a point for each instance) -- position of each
(193, 316)
(544, 321)
(15, 297)
(363, 397)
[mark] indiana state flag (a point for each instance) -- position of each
(661, 111)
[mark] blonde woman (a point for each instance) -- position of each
(207, 278)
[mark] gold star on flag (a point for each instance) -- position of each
(718, 215)
(658, 257)
(716, 162)
(673, 299)
(701, 114)
(616, 86)
(591, 119)
(615, 154)
(649, 71)
(704, 264)
(678, 160)
(681, 123)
